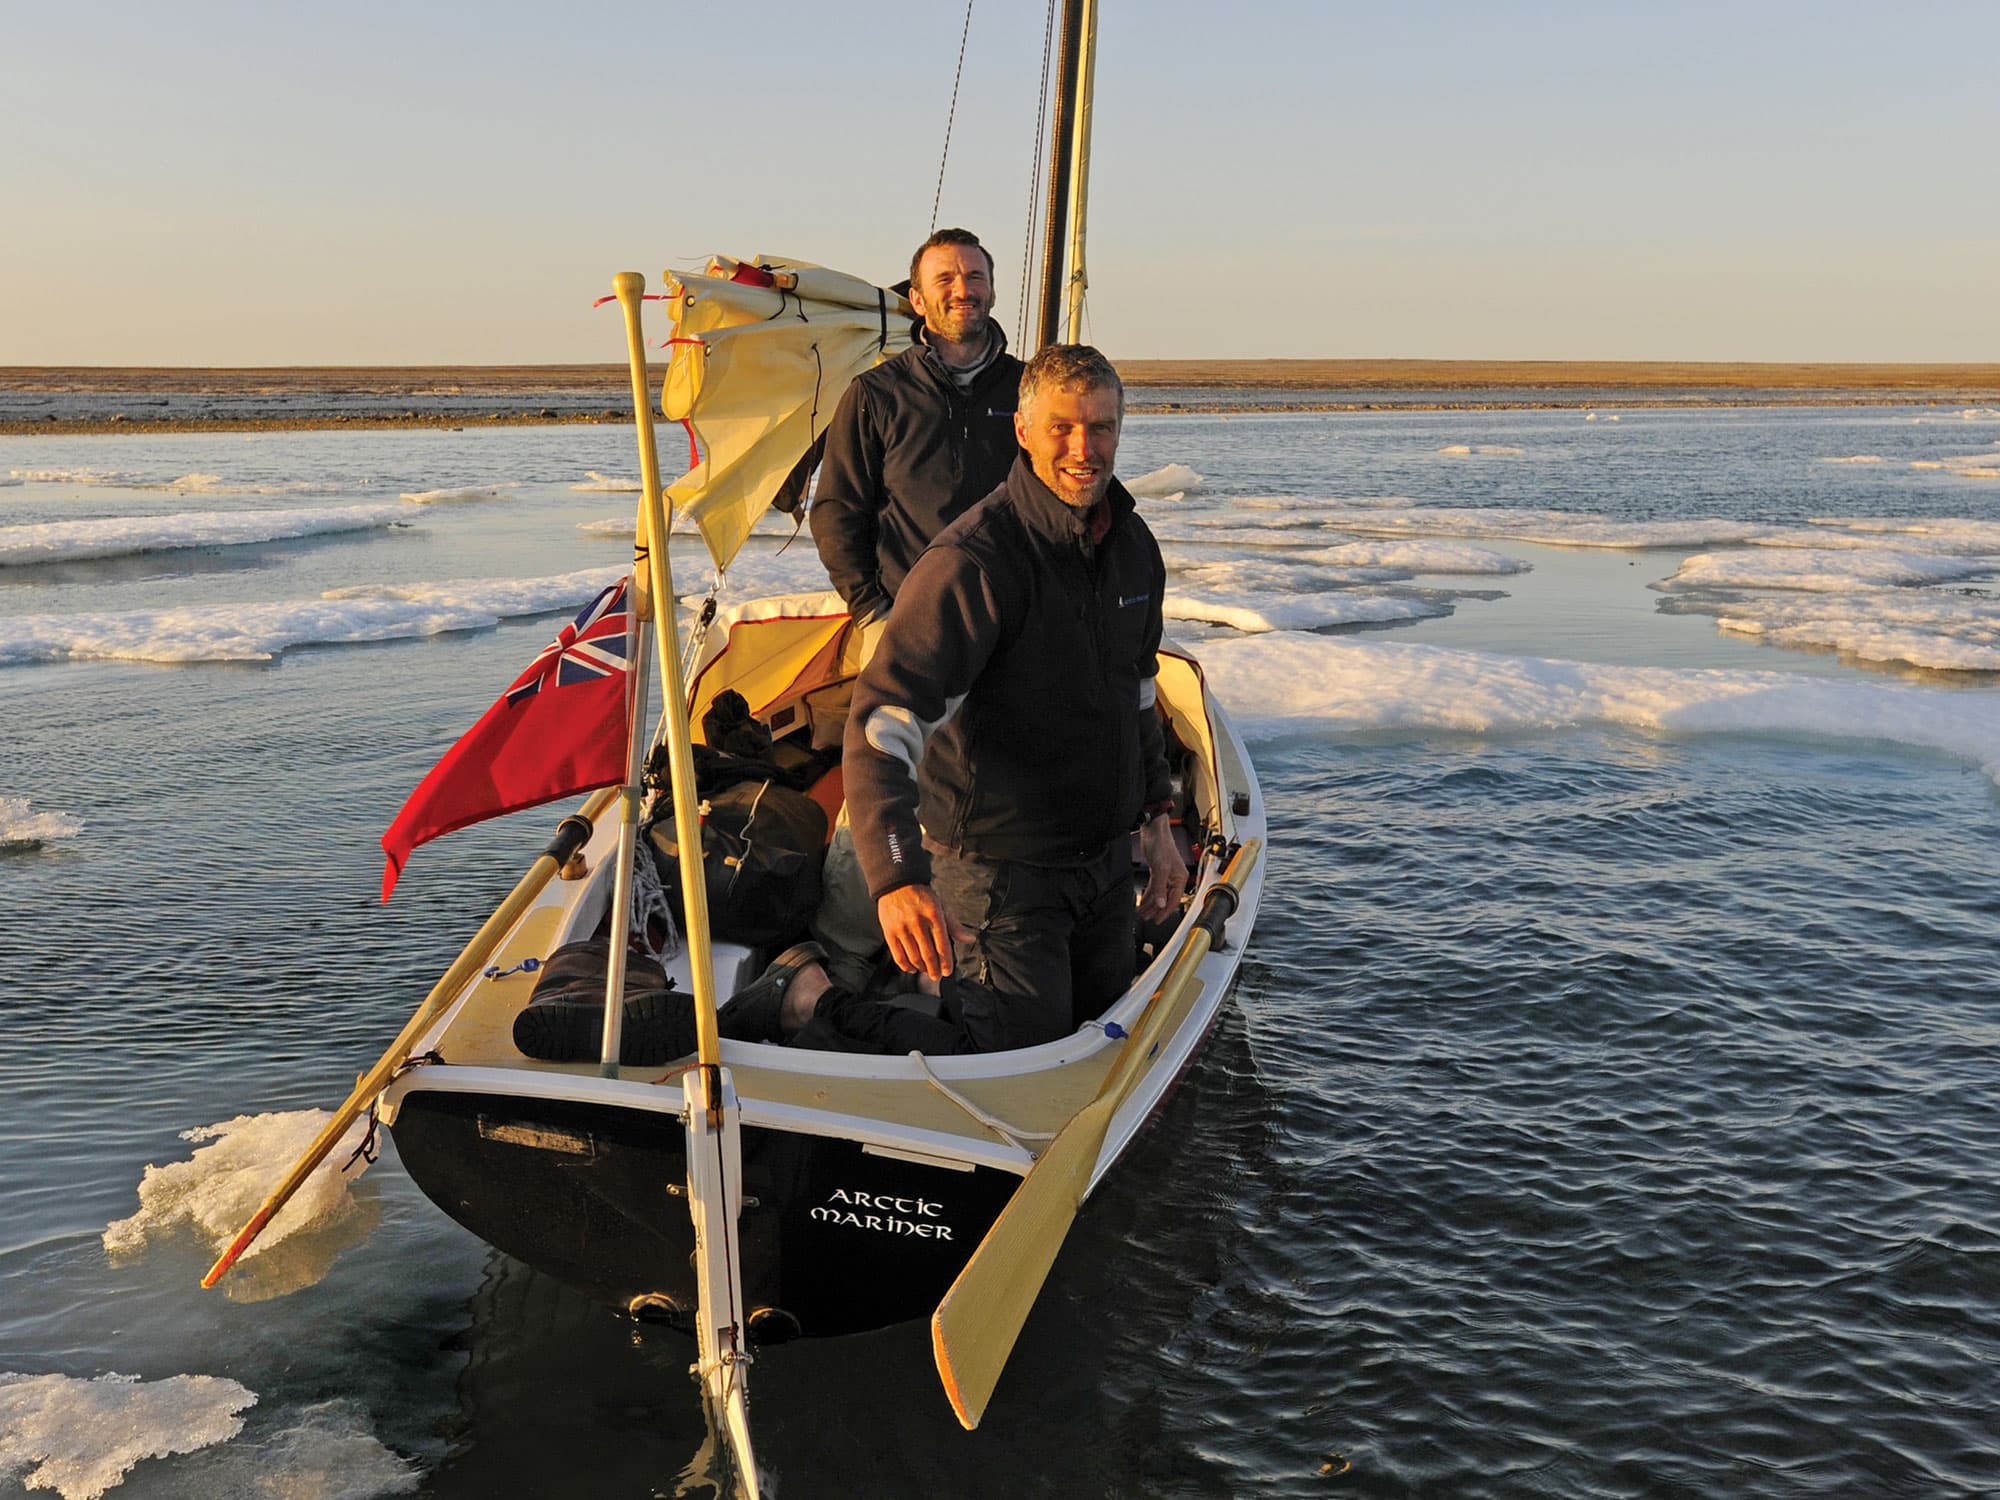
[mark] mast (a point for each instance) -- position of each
(1061, 154)
(1079, 182)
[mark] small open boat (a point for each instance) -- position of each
(867, 1181)
(755, 1192)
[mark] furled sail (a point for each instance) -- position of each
(761, 352)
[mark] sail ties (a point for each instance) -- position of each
(1011, 1134)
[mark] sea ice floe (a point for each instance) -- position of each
(216, 484)
(21, 829)
(259, 631)
(1823, 571)
(627, 526)
(1948, 632)
(606, 483)
(1282, 682)
(1262, 612)
(1169, 483)
(1546, 527)
(1313, 523)
(1413, 556)
(1937, 533)
(323, 1451)
(223, 1183)
(82, 1437)
(122, 536)
(1484, 450)
(1856, 458)
(1270, 573)
(459, 496)
(762, 568)
(78, 476)
(1267, 526)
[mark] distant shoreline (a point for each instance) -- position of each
(61, 400)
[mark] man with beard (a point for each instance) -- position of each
(920, 438)
(1002, 747)
(915, 442)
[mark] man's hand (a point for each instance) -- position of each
(1166, 872)
(919, 930)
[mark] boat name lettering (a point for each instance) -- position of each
(923, 1208)
(881, 1224)
(893, 1215)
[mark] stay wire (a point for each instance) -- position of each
(951, 115)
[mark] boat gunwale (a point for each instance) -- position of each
(1080, 1045)
(767, 1073)
(750, 1062)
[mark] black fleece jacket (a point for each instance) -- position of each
(1009, 707)
(907, 452)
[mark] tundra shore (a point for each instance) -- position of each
(49, 400)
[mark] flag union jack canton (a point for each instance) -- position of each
(562, 728)
(588, 648)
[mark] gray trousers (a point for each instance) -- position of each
(845, 924)
(1051, 947)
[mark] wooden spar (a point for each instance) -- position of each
(1079, 182)
(629, 796)
(711, 1117)
(1061, 151)
(659, 591)
(975, 1326)
(570, 837)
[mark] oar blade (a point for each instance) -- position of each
(975, 1326)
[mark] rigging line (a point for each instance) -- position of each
(1013, 1135)
(951, 115)
(1028, 259)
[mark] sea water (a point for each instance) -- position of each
(1604, 1110)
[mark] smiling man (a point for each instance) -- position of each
(1003, 746)
(914, 443)
(921, 438)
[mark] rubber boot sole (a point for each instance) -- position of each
(657, 1027)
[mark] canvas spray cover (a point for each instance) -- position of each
(762, 352)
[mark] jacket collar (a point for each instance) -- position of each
(1047, 516)
(934, 362)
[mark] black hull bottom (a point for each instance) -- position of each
(838, 1241)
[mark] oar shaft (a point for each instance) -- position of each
(568, 839)
(623, 876)
(653, 528)
(1218, 906)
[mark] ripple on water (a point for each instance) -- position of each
(1604, 1137)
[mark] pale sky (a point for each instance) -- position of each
(396, 183)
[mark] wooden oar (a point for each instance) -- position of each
(657, 603)
(975, 1326)
(571, 835)
(713, 1118)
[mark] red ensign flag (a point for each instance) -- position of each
(561, 728)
